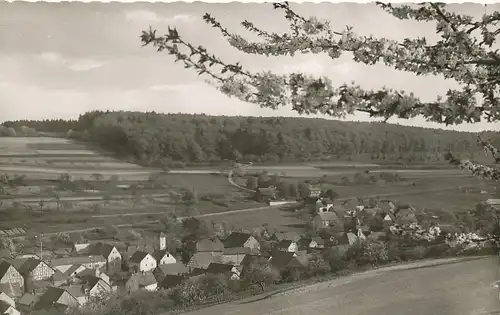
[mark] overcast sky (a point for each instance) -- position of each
(58, 60)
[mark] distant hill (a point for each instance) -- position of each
(162, 139)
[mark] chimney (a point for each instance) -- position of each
(163, 241)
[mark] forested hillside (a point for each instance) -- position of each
(160, 139)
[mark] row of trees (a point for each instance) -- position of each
(153, 138)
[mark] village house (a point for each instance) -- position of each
(265, 194)
(287, 246)
(325, 220)
(91, 261)
(109, 252)
(223, 269)
(175, 269)
(238, 239)
(7, 309)
(145, 281)
(213, 245)
(142, 262)
(36, 269)
(342, 241)
(310, 242)
(163, 257)
(202, 260)
(78, 292)
(280, 236)
(314, 191)
(7, 299)
(58, 298)
(405, 214)
(85, 274)
(285, 261)
(324, 205)
(131, 250)
(26, 304)
(235, 255)
(11, 281)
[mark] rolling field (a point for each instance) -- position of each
(46, 158)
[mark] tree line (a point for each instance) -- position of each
(161, 139)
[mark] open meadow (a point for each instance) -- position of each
(102, 193)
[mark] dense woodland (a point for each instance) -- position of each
(161, 139)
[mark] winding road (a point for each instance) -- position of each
(452, 288)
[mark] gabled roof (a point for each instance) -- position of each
(11, 288)
(101, 249)
(304, 242)
(217, 268)
(282, 259)
(173, 269)
(51, 296)
(77, 260)
(72, 269)
(138, 256)
(159, 254)
(4, 267)
(4, 307)
(18, 262)
(209, 245)
(5, 253)
(28, 299)
(201, 260)
(75, 290)
(236, 239)
(236, 251)
(290, 235)
(30, 265)
(284, 244)
(341, 239)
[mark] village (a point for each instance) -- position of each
(90, 272)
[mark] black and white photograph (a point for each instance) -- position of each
(259, 158)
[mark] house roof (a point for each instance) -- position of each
(76, 260)
(173, 269)
(50, 296)
(75, 290)
(101, 249)
(4, 267)
(284, 244)
(18, 262)
(201, 260)
(290, 235)
(30, 265)
(72, 269)
(11, 288)
(4, 306)
(281, 259)
(328, 216)
(236, 251)
(236, 239)
(59, 276)
(217, 268)
(341, 239)
(209, 245)
(28, 299)
(79, 248)
(138, 256)
(304, 241)
(159, 254)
